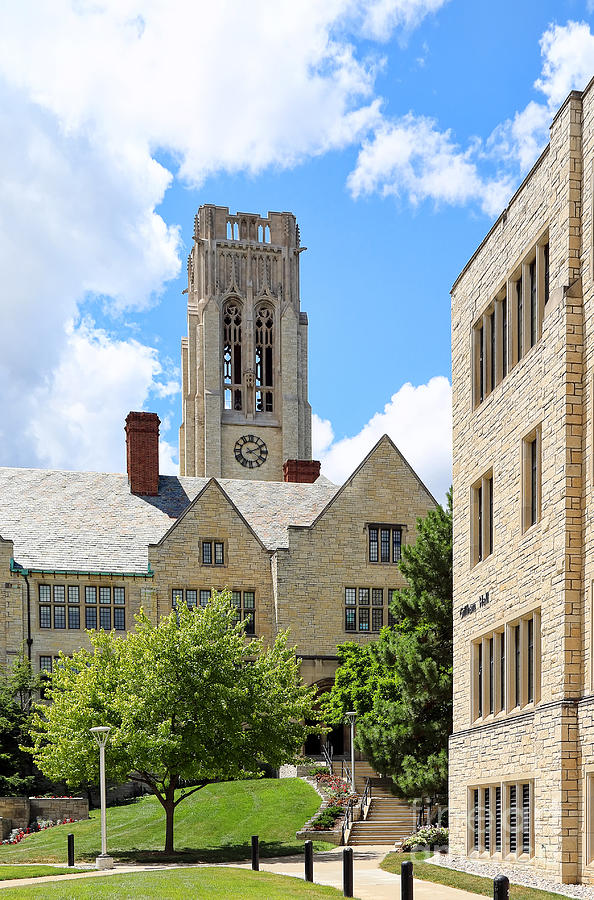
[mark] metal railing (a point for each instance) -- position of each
(366, 800)
(348, 820)
(345, 772)
(328, 754)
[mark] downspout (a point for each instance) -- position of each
(29, 638)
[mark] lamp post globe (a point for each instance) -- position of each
(101, 734)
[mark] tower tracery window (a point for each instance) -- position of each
(264, 359)
(233, 393)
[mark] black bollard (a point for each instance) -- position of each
(406, 880)
(70, 850)
(347, 871)
(308, 861)
(501, 888)
(255, 853)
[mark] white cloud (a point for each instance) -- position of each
(413, 156)
(419, 421)
(90, 94)
(77, 417)
(383, 16)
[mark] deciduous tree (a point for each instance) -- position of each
(189, 701)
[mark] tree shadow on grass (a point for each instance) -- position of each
(222, 854)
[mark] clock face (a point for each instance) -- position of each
(250, 451)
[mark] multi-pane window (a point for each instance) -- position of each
(264, 345)
(385, 543)
(245, 609)
(204, 597)
(106, 616)
(531, 478)
(60, 606)
(209, 557)
(500, 819)
(364, 609)
(232, 371)
(506, 679)
(482, 518)
(512, 322)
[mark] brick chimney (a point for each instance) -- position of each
(305, 471)
(142, 452)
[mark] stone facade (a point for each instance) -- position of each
(523, 385)
(244, 306)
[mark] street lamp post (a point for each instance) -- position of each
(101, 734)
(351, 716)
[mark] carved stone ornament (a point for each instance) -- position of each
(250, 378)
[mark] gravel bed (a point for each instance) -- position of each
(516, 874)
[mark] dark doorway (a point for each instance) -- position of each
(313, 742)
(336, 738)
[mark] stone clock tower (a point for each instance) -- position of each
(244, 361)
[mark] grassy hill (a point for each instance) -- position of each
(213, 825)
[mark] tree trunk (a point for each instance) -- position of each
(169, 805)
(169, 811)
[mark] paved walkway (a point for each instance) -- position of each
(371, 882)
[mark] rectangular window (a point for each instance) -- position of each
(119, 619)
(487, 820)
(481, 364)
(546, 272)
(502, 678)
(504, 337)
(491, 691)
(59, 617)
(191, 598)
(204, 598)
(73, 593)
(350, 619)
(475, 819)
(513, 819)
(363, 618)
(177, 597)
(119, 596)
(526, 807)
(90, 594)
(350, 596)
(363, 596)
(530, 685)
(206, 553)
(517, 666)
(377, 597)
(45, 663)
(533, 306)
(498, 819)
(45, 616)
(105, 618)
(492, 350)
(490, 643)
(73, 617)
(391, 618)
(45, 593)
(396, 544)
(377, 619)
(385, 545)
(219, 553)
(104, 595)
(482, 518)
(520, 333)
(59, 593)
(249, 611)
(90, 617)
(373, 544)
(480, 680)
(531, 478)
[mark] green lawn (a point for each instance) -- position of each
(213, 825)
(9, 872)
(198, 883)
(475, 884)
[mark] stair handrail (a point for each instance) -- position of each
(328, 756)
(347, 823)
(366, 800)
(345, 772)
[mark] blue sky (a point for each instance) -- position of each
(395, 130)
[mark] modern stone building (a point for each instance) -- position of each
(86, 550)
(522, 751)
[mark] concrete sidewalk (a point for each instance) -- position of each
(370, 882)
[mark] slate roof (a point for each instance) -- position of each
(89, 521)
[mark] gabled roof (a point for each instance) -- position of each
(89, 521)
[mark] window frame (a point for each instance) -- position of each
(531, 463)
(378, 543)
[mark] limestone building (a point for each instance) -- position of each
(522, 751)
(244, 360)
(86, 550)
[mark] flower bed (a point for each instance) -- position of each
(428, 838)
(326, 825)
(17, 834)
